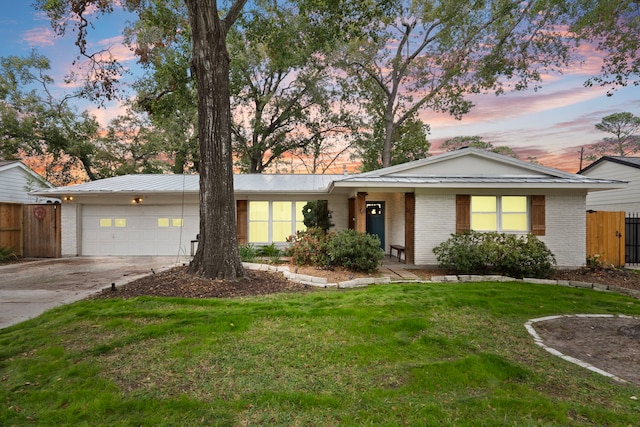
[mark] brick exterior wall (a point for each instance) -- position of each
(70, 222)
(566, 234)
(435, 222)
(565, 226)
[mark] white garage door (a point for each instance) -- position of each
(138, 230)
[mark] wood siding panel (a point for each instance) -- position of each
(42, 234)
(606, 237)
(11, 227)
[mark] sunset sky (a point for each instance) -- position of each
(550, 124)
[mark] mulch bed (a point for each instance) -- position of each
(177, 282)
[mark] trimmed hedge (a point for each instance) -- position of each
(473, 252)
(345, 248)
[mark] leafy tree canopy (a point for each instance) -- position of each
(431, 55)
(625, 128)
(459, 142)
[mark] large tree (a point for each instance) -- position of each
(458, 142)
(625, 128)
(41, 127)
(613, 27)
(409, 141)
(161, 39)
(283, 99)
(433, 54)
(217, 254)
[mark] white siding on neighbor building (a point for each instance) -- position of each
(15, 184)
(565, 226)
(626, 199)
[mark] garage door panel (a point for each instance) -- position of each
(138, 230)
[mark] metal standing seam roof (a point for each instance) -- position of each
(435, 180)
(247, 183)
(400, 176)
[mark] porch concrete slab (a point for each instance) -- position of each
(28, 289)
(395, 272)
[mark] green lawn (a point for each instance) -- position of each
(417, 354)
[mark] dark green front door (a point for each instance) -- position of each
(375, 220)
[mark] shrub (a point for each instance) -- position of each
(309, 247)
(480, 253)
(317, 215)
(355, 251)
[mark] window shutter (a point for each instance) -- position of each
(463, 213)
(538, 226)
(242, 222)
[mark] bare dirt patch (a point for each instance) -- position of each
(609, 343)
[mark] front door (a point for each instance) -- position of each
(375, 220)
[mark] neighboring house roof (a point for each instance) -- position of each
(633, 162)
(6, 165)
(467, 168)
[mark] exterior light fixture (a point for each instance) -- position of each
(67, 198)
(136, 200)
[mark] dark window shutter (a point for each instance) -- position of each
(463, 213)
(242, 232)
(538, 224)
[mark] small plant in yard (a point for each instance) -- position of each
(594, 262)
(248, 253)
(355, 251)
(272, 252)
(473, 252)
(7, 254)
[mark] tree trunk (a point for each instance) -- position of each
(388, 138)
(217, 255)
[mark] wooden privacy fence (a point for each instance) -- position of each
(11, 227)
(31, 230)
(606, 237)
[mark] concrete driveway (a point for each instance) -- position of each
(28, 289)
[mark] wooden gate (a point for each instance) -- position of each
(42, 234)
(606, 237)
(11, 227)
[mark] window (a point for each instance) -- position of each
(499, 213)
(274, 222)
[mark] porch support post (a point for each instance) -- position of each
(409, 227)
(361, 212)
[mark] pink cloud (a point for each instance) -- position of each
(39, 37)
(112, 48)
